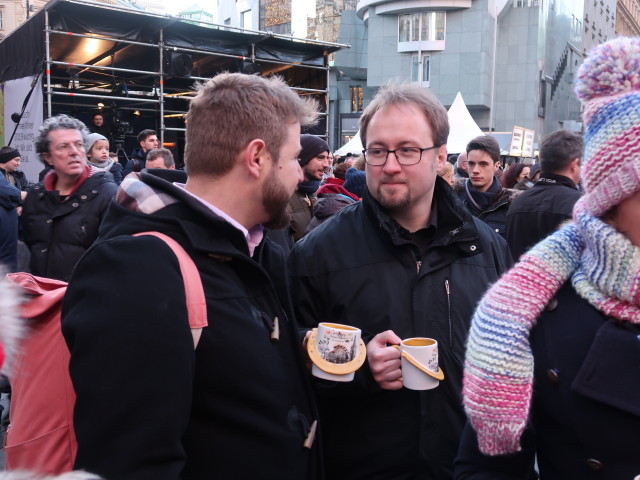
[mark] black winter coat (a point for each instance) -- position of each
(58, 232)
(495, 215)
(9, 200)
(585, 415)
(539, 211)
(148, 408)
(357, 269)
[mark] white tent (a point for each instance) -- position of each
(352, 146)
(462, 126)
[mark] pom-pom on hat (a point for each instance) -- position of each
(91, 139)
(608, 84)
(312, 146)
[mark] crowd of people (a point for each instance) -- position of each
(541, 357)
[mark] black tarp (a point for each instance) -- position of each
(23, 52)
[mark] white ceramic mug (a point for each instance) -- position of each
(337, 344)
(420, 369)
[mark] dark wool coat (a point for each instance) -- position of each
(495, 215)
(9, 200)
(359, 269)
(539, 211)
(58, 232)
(585, 415)
(148, 407)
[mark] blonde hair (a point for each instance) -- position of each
(446, 169)
(231, 110)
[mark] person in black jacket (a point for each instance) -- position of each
(552, 375)
(148, 140)
(241, 406)
(537, 212)
(481, 192)
(9, 164)
(61, 215)
(411, 261)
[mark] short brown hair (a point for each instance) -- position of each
(231, 110)
(142, 136)
(558, 150)
(486, 143)
(409, 93)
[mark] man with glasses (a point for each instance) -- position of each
(62, 213)
(407, 261)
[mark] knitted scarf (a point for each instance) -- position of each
(309, 187)
(480, 201)
(104, 166)
(604, 267)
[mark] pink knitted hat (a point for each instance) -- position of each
(608, 84)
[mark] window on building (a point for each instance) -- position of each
(1, 20)
(246, 19)
(421, 27)
(420, 69)
(227, 21)
(356, 99)
(526, 3)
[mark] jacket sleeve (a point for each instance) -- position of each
(471, 464)
(9, 195)
(132, 359)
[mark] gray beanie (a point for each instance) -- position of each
(92, 138)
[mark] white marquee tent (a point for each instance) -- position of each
(352, 146)
(462, 126)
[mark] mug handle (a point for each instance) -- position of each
(439, 375)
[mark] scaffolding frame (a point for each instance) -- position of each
(158, 96)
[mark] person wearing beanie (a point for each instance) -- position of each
(355, 182)
(482, 193)
(97, 147)
(314, 161)
(552, 362)
(9, 164)
(408, 260)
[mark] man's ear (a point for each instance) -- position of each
(254, 157)
(45, 157)
(496, 166)
(441, 158)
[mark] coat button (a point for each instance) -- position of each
(473, 248)
(94, 191)
(553, 375)
(83, 197)
(75, 204)
(552, 305)
(594, 464)
(49, 220)
(497, 230)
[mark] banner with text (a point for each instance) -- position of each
(15, 92)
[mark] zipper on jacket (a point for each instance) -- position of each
(448, 291)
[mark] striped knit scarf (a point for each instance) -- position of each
(604, 267)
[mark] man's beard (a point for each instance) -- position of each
(275, 200)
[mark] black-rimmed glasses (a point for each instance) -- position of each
(405, 155)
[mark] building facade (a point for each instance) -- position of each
(14, 12)
(627, 17)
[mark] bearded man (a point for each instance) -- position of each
(244, 394)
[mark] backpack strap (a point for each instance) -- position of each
(196, 303)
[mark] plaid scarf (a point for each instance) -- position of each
(604, 267)
(136, 195)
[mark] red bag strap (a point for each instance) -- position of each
(196, 303)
